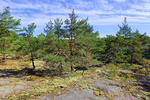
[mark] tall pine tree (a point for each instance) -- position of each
(8, 25)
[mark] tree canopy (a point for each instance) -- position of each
(71, 41)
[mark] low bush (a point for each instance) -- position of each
(53, 60)
(112, 71)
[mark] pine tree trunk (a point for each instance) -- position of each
(131, 59)
(32, 59)
(71, 68)
(4, 56)
(71, 45)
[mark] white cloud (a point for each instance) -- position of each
(99, 12)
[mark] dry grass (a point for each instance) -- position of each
(9, 64)
(48, 84)
(45, 84)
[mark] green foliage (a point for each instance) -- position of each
(58, 30)
(113, 52)
(8, 27)
(31, 40)
(72, 41)
(53, 60)
(126, 47)
(112, 71)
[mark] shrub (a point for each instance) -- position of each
(112, 71)
(125, 65)
(53, 60)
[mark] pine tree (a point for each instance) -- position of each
(125, 30)
(85, 38)
(71, 26)
(113, 51)
(58, 30)
(50, 38)
(8, 25)
(60, 34)
(131, 44)
(31, 41)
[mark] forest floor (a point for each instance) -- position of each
(18, 82)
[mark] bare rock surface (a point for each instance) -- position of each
(4, 81)
(85, 94)
(47, 97)
(109, 87)
(8, 86)
(125, 71)
(112, 89)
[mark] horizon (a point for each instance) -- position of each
(103, 15)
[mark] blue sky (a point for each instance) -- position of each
(104, 15)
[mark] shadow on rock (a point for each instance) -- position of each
(27, 71)
(143, 81)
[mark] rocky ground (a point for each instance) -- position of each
(8, 85)
(107, 89)
(99, 88)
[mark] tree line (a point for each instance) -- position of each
(72, 41)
